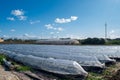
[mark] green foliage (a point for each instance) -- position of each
(106, 72)
(19, 41)
(94, 76)
(105, 75)
(1, 58)
(114, 42)
(23, 68)
(93, 41)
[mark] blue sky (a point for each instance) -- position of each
(59, 18)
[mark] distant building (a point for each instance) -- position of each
(58, 41)
(1, 40)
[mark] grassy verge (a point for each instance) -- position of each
(106, 74)
(23, 68)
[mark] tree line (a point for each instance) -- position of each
(92, 41)
(87, 41)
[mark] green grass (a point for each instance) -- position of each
(105, 75)
(94, 76)
(23, 68)
(1, 58)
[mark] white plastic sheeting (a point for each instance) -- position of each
(111, 51)
(115, 55)
(81, 59)
(84, 55)
(89, 61)
(105, 59)
(65, 67)
(58, 53)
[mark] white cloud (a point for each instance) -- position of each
(58, 20)
(22, 17)
(57, 32)
(114, 34)
(112, 31)
(6, 36)
(74, 18)
(17, 12)
(29, 36)
(11, 18)
(49, 26)
(60, 29)
(54, 28)
(12, 30)
(73, 36)
(34, 22)
(26, 35)
(63, 20)
(51, 32)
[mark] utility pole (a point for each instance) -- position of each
(105, 31)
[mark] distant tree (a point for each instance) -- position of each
(93, 41)
(15, 40)
(113, 42)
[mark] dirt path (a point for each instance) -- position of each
(7, 75)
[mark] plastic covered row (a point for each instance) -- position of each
(58, 66)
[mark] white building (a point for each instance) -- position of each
(58, 41)
(1, 40)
